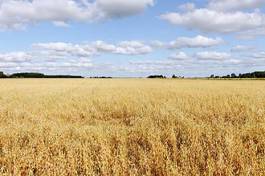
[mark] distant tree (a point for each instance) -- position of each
(62, 76)
(27, 75)
(101, 77)
(156, 76)
(257, 74)
(233, 75)
(2, 75)
(177, 77)
(212, 76)
(41, 75)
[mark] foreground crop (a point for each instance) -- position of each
(132, 127)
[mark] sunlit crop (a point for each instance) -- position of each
(132, 127)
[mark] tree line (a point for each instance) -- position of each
(256, 74)
(35, 75)
(162, 76)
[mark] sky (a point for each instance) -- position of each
(132, 38)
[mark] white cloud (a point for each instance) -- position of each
(242, 48)
(229, 5)
(56, 50)
(17, 14)
(154, 62)
(60, 57)
(233, 61)
(15, 57)
(120, 8)
(196, 42)
(208, 20)
(180, 56)
(104, 47)
(34, 66)
(132, 48)
(260, 55)
(60, 24)
(69, 49)
(251, 34)
(213, 56)
(151, 66)
(124, 47)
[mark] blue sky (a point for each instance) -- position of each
(132, 37)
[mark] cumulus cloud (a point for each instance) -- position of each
(120, 8)
(76, 58)
(208, 20)
(251, 34)
(55, 51)
(67, 56)
(195, 42)
(104, 47)
(44, 60)
(228, 5)
(17, 14)
(221, 16)
(46, 66)
(180, 56)
(61, 49)
(87, 50)
(124, 47)
(213, 56)
(15, 57)
(132, 48)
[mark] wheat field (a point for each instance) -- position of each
(132, 127)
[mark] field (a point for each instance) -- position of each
(132, 127)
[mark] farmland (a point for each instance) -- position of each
(132, 127)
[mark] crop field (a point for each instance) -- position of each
(132, 127)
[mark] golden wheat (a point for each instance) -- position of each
(132, 127)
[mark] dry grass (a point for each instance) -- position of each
(132, 127)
